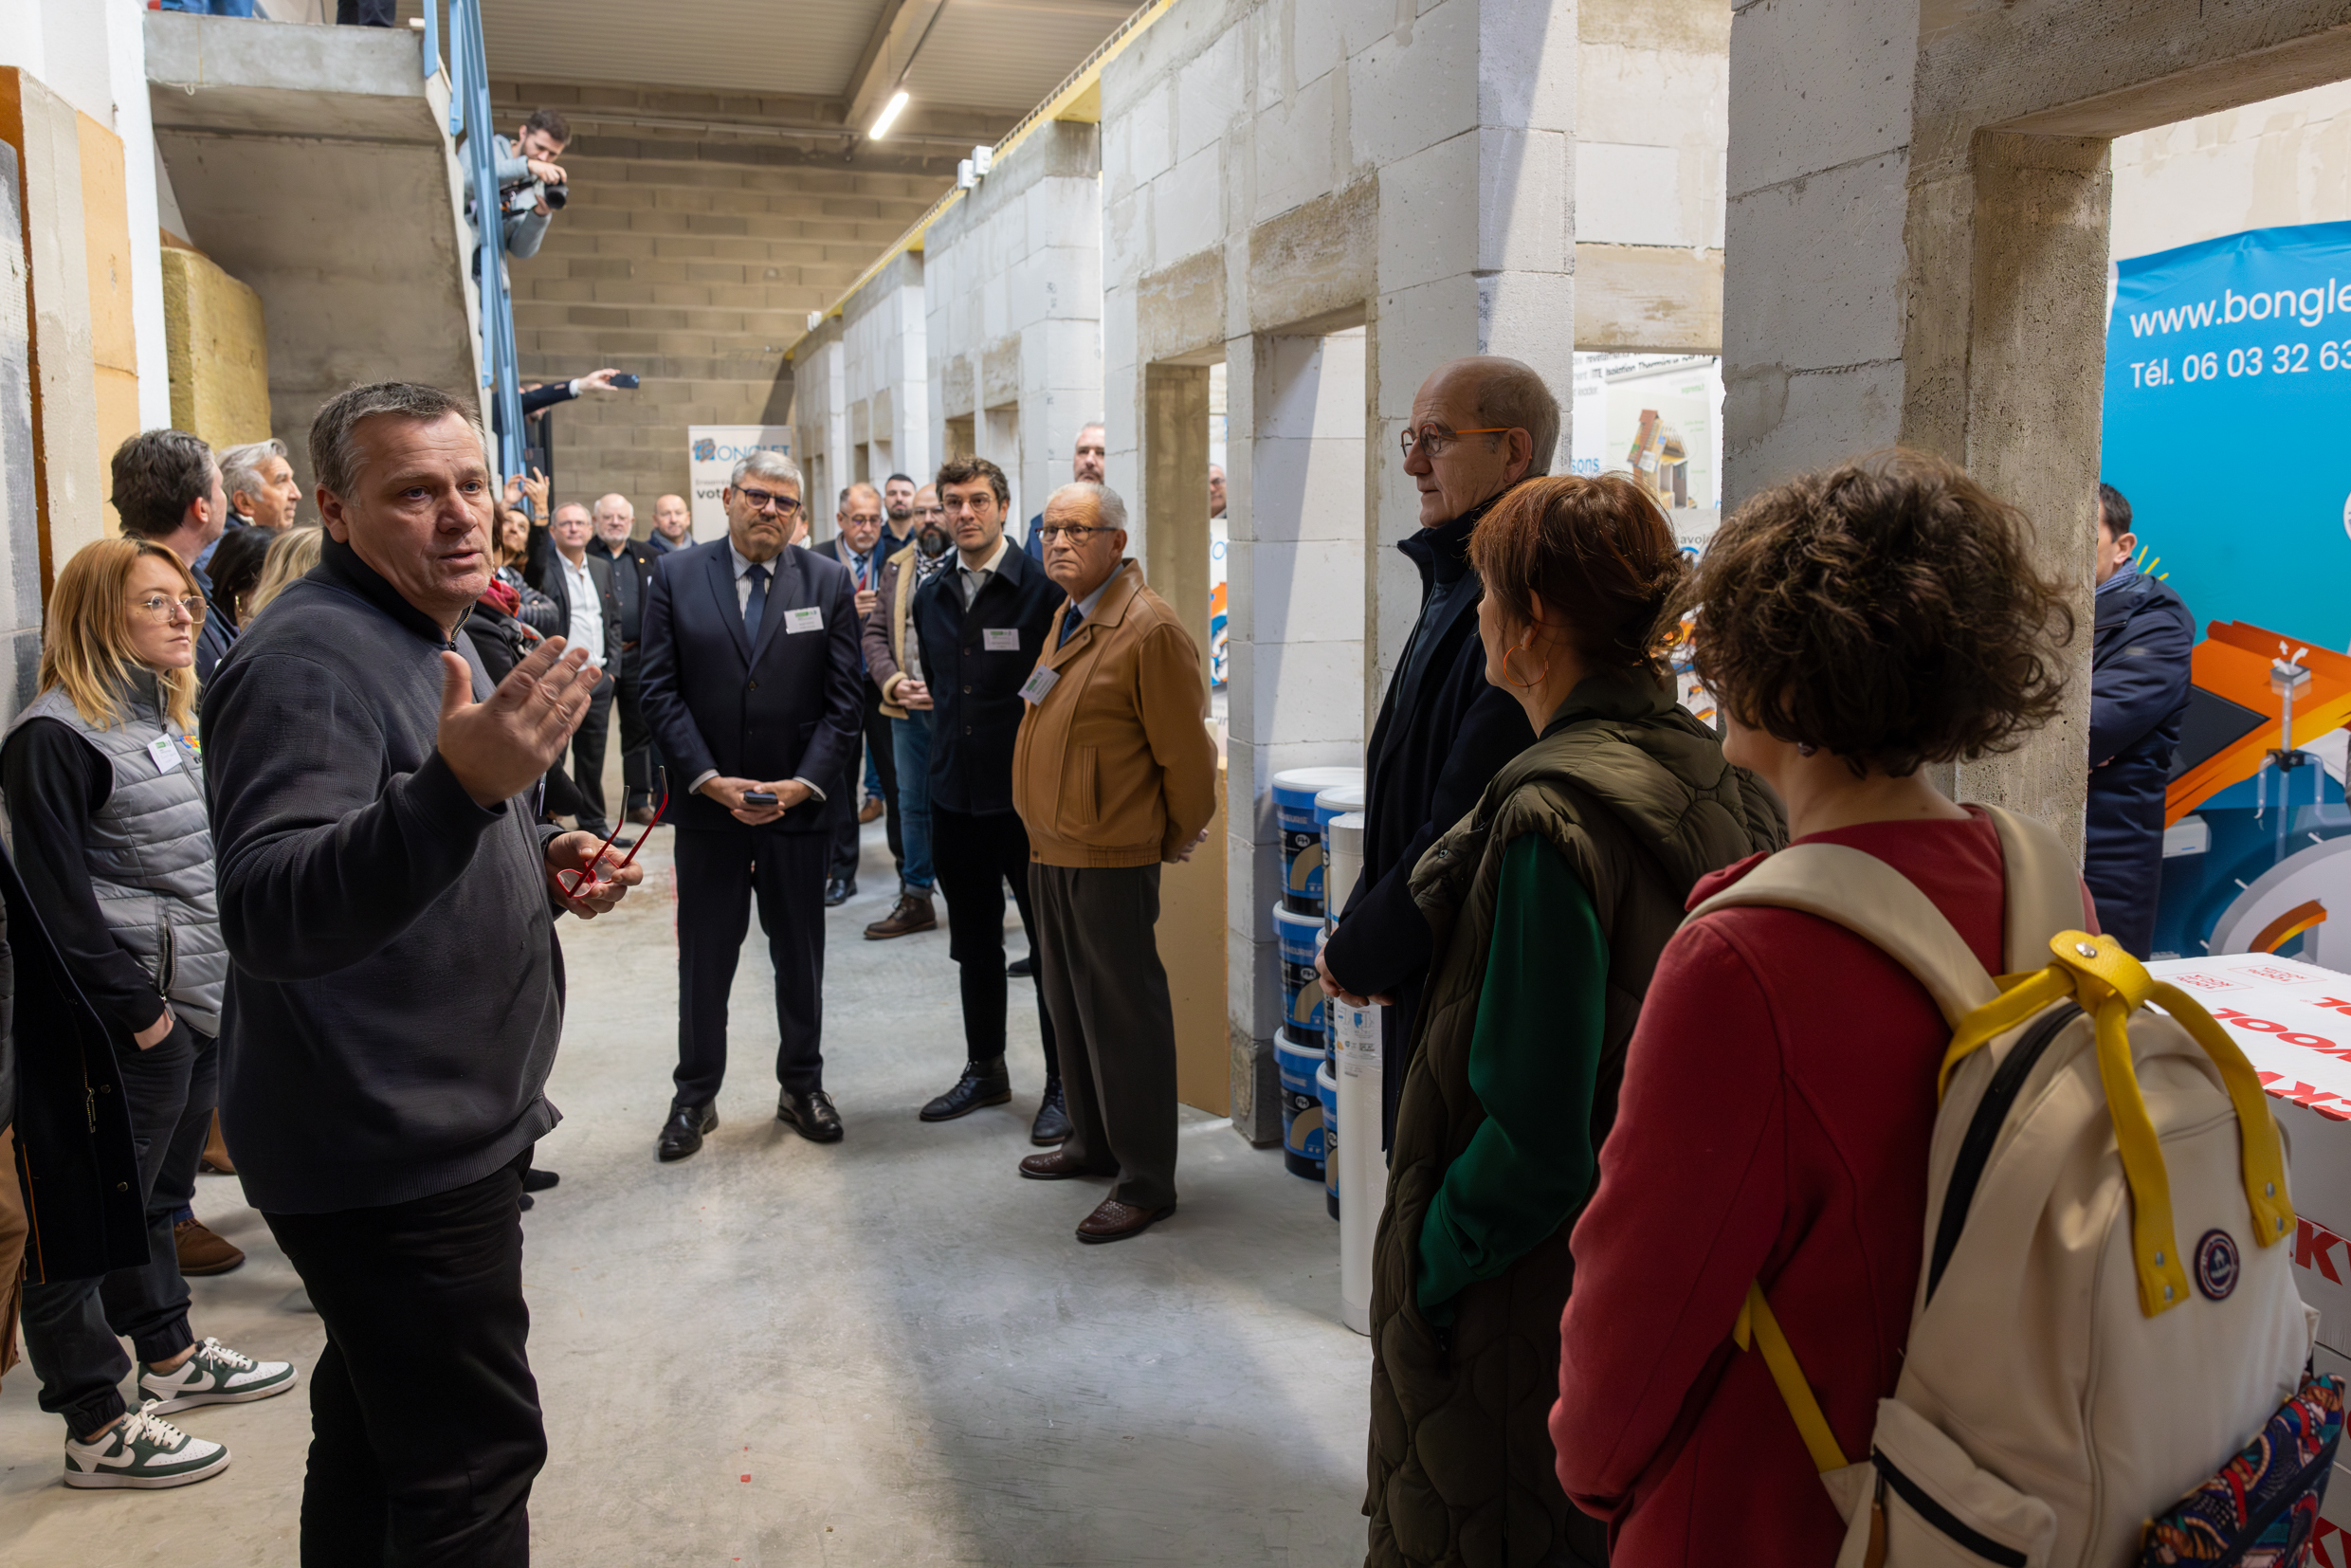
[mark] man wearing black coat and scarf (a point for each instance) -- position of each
(1479, 425)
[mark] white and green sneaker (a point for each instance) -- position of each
(215, 1374)
(143, 1450)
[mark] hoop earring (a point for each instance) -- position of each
(1510, 673)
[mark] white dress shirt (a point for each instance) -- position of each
(972, 580)
(587, 608)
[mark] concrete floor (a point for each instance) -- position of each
(889, 1351)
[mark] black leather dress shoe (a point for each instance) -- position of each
(1022, 968)
(1053, 1123)
(681, 1135)
(982, 1083)
(537, 1181)
(811, 1115)
(839, 890)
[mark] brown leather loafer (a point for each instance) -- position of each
(1115, 1221)
(870, 811)
(1053, 1165)
(201, 1252)
(912, 913)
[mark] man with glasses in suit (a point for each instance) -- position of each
(751, 687)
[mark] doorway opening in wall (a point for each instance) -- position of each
(1657, 417)
(960, 436)
(2228, 333)
(999, 441)
(1219, 546)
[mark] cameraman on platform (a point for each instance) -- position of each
(531, 186)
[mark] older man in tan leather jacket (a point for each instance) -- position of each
(1114, 774)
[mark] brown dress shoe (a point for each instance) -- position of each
(1053, 1165)
(871, 812)
(912, 913)
(641, 815)
(1115, 1221)
(216, 1156)
(201, 1252)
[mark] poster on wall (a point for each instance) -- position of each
(712, 452)
(2228, 383)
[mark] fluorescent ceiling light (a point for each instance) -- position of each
(889, 112)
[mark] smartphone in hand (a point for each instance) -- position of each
(627, 379)
(759, 798)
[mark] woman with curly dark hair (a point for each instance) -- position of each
(1779, 1094)
(1548, 905)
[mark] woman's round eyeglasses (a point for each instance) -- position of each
(163, 609)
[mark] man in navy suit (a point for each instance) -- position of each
(751, 687)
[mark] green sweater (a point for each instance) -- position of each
(1533, 1058)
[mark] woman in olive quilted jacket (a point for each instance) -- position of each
(1549, 904)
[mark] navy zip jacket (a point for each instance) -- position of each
(974, 687)
(2138, 689)
(397, 991)
(1440, 740)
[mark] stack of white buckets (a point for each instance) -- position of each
(1332, 1129)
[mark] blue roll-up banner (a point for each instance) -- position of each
(2228, 423)
(2228, 397)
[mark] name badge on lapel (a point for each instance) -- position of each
(1039, 682)
(163, 753)
(803, 620)
(1000, 639)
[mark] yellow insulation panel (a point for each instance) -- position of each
(218, 351)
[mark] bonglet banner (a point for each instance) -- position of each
(2227, 402)
(712, 451)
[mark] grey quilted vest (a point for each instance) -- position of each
(150, 852)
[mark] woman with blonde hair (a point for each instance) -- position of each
(291, 555)
(107, 795)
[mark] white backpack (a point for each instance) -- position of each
(2070, 1372)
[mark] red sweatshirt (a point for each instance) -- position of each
(1779, 1099)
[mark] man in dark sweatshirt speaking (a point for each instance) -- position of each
(390, 902)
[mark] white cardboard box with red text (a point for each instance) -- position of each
(2293, 1021)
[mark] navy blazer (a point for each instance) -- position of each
(790, 708)
(558, 588)
(976, 690)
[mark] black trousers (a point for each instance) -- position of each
(408, 1469)
(588, 756)
(721, 874)
(74, 1329)
(636, 738)
(974, 856)
(878, 742)
(1098, 964)
(367, 14)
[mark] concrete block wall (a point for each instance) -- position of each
(1916, 250)
(20, 517)
(1272, 176)
(1013, 291)
(861, 398)
(693, 262)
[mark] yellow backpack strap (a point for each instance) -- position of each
(2110, 985)
(1757, 1328)
(1877, 903)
